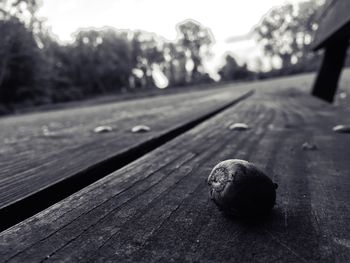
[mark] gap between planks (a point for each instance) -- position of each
(29, 205)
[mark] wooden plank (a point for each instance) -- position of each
(38, 168)
(334, 23)
(158, 209)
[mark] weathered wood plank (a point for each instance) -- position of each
(334, 23)
(32, 160)
(157, 208)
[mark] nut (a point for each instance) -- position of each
(239, 188)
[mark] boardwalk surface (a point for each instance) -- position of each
(39, 150)
(157, 208)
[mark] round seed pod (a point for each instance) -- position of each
(239, 188)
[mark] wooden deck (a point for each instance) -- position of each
(47, 156)
(157, 208)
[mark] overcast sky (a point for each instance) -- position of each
(226, 18)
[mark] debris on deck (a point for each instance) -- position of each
(103, 129)
(309, 146)
(140, 128)
(239, 127)
(342, 128)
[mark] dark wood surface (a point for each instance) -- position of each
(33, 159)
(334, 23)
(157, 208)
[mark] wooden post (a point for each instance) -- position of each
(326, 82)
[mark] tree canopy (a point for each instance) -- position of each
(36, 68)
(286, 32)
(195, 40)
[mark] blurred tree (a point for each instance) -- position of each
(21, 60)
(196, 40)
(147, 51)
(35, 68)
(20, 63)
(24, 10)
(287, 31)
(233, 71)
(102, 60)
(228, 71)
(175, 66)
(59, 73)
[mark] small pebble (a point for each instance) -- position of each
(238, 127)
(342, 128)
(46, 131)
(140, 128)
(308, 147)
(342, 95)
(103, 129)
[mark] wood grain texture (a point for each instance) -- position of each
(39, 150)
(157, 209)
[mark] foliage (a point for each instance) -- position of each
(175, 66)
(146, 52)
(101, 61)
(287, 31)
(35, 68)
(232, 71)
(20, 63)
(195, 41)
(23, 10)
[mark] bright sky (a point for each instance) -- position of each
(226, 18)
